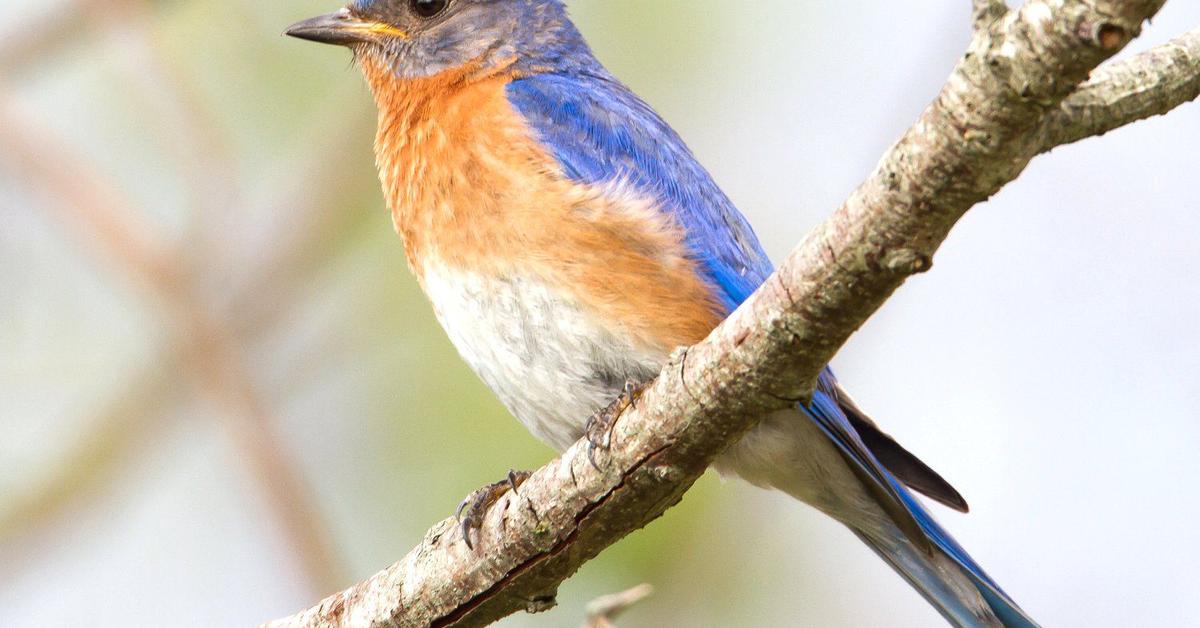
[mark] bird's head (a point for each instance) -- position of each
(422, 38)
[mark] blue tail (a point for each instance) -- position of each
(913, 543)
(943, 574)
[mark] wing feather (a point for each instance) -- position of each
(598, 132)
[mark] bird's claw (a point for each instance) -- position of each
(478, 502)
(600, 426)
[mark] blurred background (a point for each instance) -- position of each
(222, 395)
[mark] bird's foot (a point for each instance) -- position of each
(600, 426)
(477, 503)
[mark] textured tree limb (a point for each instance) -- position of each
(978, 134)
(984, 12)
(1149, 84)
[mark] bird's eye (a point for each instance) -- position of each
(428, 8)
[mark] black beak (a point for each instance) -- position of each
(341, 28)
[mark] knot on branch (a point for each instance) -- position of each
(1110, 37)
(905, 261)
(541, 603)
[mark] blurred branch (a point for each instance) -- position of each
(602, 610)
(89, 203)
(979, 133)
(1149, 84)
(59, 25)
(306, 204)
(101, 215)
(125, 422)
(197, 139)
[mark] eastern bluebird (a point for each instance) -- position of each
(569, 240)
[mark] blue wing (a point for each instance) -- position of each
(599, 131)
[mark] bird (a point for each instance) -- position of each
(568, 240)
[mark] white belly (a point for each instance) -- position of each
(551, 363)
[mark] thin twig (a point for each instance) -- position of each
(603, 610)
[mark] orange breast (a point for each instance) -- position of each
(470, 187)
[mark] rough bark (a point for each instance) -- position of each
(1149, 84)
(1009, 96)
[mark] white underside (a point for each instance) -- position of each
(548, 361)
(553, 365)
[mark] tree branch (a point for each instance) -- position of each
(977, 135)
(984, 12)
(1149, 84)
(602, 610)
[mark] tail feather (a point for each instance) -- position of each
(909, 469)
(928, 557)
(824, 462)
(948, 578)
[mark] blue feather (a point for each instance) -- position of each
(600, 132)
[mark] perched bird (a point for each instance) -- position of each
(568, 241)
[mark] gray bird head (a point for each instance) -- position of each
(421, 38)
